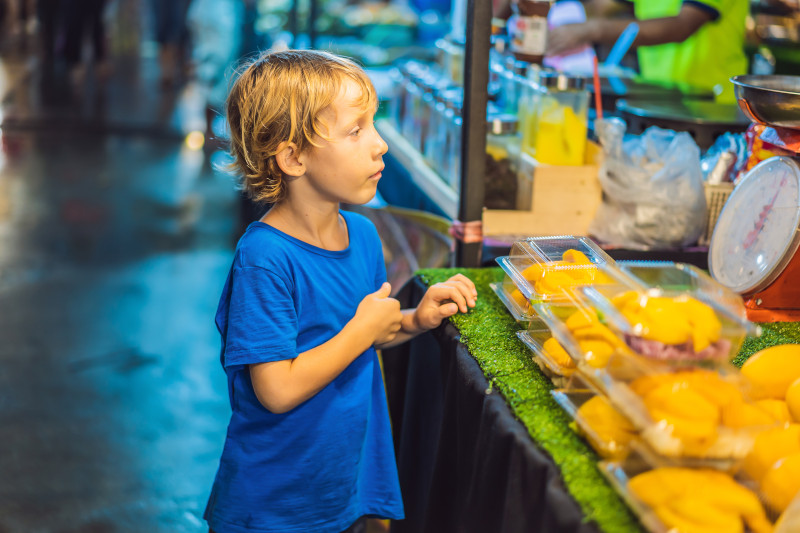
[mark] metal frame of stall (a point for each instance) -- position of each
(473, 136)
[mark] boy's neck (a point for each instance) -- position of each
(321, 227)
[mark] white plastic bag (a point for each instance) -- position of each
(652, 188)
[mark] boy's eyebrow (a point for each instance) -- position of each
(352, 124)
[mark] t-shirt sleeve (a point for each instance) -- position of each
(262, 320)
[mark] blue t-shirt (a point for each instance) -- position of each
(330, 460)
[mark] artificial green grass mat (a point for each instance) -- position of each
(489, 331)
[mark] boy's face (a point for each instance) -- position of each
(346, 168)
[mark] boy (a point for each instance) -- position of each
(306, 304)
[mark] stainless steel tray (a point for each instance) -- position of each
(770, 99)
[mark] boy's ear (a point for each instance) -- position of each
(288, 159)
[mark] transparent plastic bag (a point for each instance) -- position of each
(652, 188)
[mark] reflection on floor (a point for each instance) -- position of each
(115, 238)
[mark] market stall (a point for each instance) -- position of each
(481, 440)
(625, 374)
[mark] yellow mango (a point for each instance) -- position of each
(554, 282)
(519, 299)
(623, 299)
(743, 414)
(771, 371)
(768, 447)
(699, 489)
(711, 386)
(706, 327)
(598, 331)
(679, 400)
(609, 426)
(719, 490)
(596, 352)
(581, 319)
(533, 273)
(781, 483)
(575, 256)
(557, 353)
(644, 384)
(777, 409)
(661, 320)
(654, 487)
(695, 435)
(581, 275)
(601, 278)
(689, 514)
(793, 399)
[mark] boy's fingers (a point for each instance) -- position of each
(384, 291)
(464, 291)
(454, 295)
(448, 310)
(461, 278)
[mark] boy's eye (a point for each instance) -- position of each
(355, 132)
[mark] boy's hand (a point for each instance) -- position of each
(445, 299)
(380, 315)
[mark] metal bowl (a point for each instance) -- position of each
(771, 100)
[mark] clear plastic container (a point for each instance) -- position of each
(549, 355)
(561, 121)
(501, 184)
(530, 97)
(512, 78)
(552, 248)
(544, 269)
(412, 105)
(671, 499)
(452, 149)
(399, 78)
(680, 277)
(678, 317)
(451, 59)
(608, 432)
(437, 132)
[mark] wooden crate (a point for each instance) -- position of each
(564, 200)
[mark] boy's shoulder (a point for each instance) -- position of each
(261, 246)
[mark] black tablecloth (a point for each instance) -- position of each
(466, 463)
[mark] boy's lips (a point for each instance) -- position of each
(377, 175)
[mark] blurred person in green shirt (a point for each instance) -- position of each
(699, 43)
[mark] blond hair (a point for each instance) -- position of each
(278, 98)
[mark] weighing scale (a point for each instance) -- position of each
(754, 247)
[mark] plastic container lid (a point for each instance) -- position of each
(561, 82)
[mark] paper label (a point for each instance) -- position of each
(529, 35)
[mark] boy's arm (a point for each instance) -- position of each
(440, 301)
(283, 385)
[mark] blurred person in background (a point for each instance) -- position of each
(172, 36)
(695, 42)
(85, 18)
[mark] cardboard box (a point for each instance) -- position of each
(564, 199)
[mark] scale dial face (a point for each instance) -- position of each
(757, 232)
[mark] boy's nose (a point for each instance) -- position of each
(382, 146)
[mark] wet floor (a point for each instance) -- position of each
(115, 238)
(116, 235)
